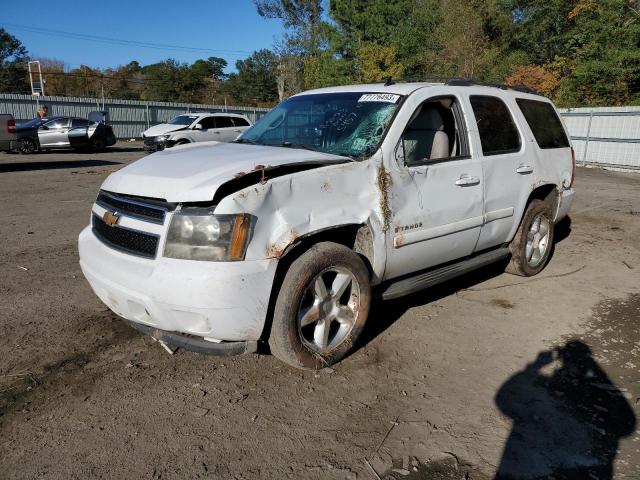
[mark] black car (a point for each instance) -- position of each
(64, 132)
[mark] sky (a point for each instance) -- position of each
(229, 29)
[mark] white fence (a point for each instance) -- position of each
(127, 117)
(607, 136)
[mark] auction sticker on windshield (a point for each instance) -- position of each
(379, 97)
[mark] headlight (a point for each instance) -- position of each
(198, 234)
(162, 138)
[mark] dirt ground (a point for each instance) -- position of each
(530, 378)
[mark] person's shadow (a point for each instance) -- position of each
(566, 425)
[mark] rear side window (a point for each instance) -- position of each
(223, 122)
(240, 122)
(498, 132)
(544, 123)
(79, 122)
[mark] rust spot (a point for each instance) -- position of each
(239, 174)
(384, 184)
(398, 241)
(277, 249)
(325, 186)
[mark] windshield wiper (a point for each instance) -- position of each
(245, 140)
(301, 146)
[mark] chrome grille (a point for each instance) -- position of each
(147, 209)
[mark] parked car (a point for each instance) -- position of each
(195, 127)
(281, 235)
(65, 132)
(7, 132)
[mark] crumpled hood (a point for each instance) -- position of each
(193, 173)
(161, 129)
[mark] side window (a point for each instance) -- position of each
(57, 123)
(240, 122)
(223, 122)
(434, 133)
(544, 123)
(498, 132)
(208, 122)
(79, 122)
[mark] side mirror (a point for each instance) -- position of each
(44, 127)
(198, 126)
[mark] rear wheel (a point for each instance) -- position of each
(97, 144)
(322, 307)
(532, 245)
(27, 146)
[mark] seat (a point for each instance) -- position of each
(425, 137)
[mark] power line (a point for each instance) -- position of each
(123, 42)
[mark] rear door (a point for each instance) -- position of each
(54, 133)
(78, 132)
(241, 125)
(507, 166)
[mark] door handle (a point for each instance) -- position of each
(467, 180)
(524, 169)
(238, 131)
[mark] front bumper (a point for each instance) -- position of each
(153, 144)
(217, 301)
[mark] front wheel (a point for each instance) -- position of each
(322, 307)
(533, 242)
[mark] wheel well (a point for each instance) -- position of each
(547, 193)
(356, 237)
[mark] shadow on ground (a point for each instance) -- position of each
(34, 166)
(567, 424)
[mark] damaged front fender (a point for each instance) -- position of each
(296, 205)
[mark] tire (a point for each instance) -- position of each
(27, 146)
(532, 245)
(184, 141)
(313, 346)
(97, 144)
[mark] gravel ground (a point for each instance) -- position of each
(489, 373)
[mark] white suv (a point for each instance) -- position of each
(195, 127)
(279, 236)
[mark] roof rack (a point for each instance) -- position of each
(468, 82)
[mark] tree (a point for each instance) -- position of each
(256, 79)
(376, 63)
(13, 64)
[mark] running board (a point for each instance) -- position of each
(434, 277)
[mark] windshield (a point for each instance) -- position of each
(36, 122)
(183, 120)
(349, 124)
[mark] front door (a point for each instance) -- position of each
(54, 133)
(436, 196)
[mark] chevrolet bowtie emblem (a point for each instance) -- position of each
(110, 218)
